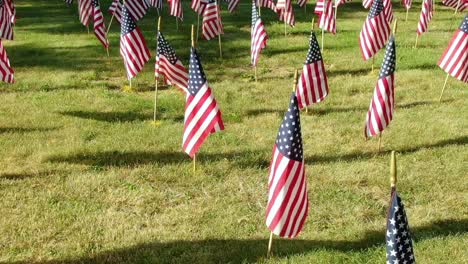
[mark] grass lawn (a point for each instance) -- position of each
(85, 177)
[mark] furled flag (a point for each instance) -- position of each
(287, 186)
(374, 32)
(426, 16)
(268, 4)
(462, 5)
(212, 25)
(367, 3)
(258, 34)
(301, 3)
(85, 10)
(398, 238)
(6, 29)
(98, 24)
(133, 47)
(68, 2)
(156, 4)
(169, 66)
(319, 8)
(116, 10)
(202, 114)
(286, 12)
(136, 8)
(232, 5)
(454, 60)
(341, 2)
(407, 4)
(6, 72)
(11, 10)
(199, 6)
(175, 8)
(313, 85)
(383, 102)
(388, 10)
(327, 19)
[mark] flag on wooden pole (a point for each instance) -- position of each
(85, 10)
(374, 32)
(462, 5)
(454, 60)
(267, 4)
(426, 16)
(327, 19)
(199, 6)
(10, 6)
(169, 65)
(6, 28)
(212, 25)
(175, 8)
(286, 12)
(137, 8)
(287, 206)
(6, 72)
(98, 24)
(259, 36)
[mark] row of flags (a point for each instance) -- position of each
(7, 22)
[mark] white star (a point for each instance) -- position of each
(392, 221)
(393, 253)
(390, 243)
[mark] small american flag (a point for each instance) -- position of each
(454, 3)
(116, 10)
(398, 238)
(319, 8)
(169, 66)
(388, 10)
(287, 206)
(374, 32)
(85, 10)
(383, 102)
(454, 60)
(301, 3)
(367, 3)
(133, 47)
(175, 8)
(6, 29)
(6, 72)
(287, 13)
(11, 10)
(212, 25)
(156, 4)
(232, 5)
(259, 36)
(99, 27)
(202, 115)
(267, 4)
(407, 4)
(313, 85)
(199, 6)
(327, 19)
(136, 8)
(426, 16)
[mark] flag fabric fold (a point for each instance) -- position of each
(98, 24)
(199, 6)
(169, 66)
(6, 72)
(202, 114)
(6, 26)
(462, 6)
(374, 32)
(426, 16)
(258, 34)
(287, 205)
(383, 102)
(136, 8)
(212, 25)
(313, 83)
(85, 10)
(175, 8)
(454, 60)
(133, 47)
(327, 19)
(286, 12)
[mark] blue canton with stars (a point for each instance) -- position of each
(197, 76)
(313, 55)
(95, 3)
(464, 24)
(128, 25)
(388, 64)
(398, 237)
(289, 139)
(165, 49)
(377, 7)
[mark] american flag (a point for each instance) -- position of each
(258, 34)
(426, 16)
(199, 6)
(232, 5)
(287, 186)
(319, 8)
(327, 19)
(85, 10)
(11, 10)
(388, 9)
(212, 25)
(383, 102)
(6, 29)
(6, 72)
(407, 4)
(287, 13)
(301, 3)
(268, 4)
(398, 238)
(454, 3)
(313, 85)
(455, 57)
(374, 32)
(202, 114)
(175, 8)
(156, 4)
(99, 27)
(133, 47)
(367, 3)
(169, 66)
(136, 8)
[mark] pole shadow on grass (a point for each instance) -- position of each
(253, 250)
(122, 116)
(6, 130)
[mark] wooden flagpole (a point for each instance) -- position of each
(219, 35)
(323, 35)
(380, 140)
(110, 23)
(157, 78)
(406, 17)
(285, 26)
(193, 46)
(393, 171)
(270, 242)
(255, 72)
(373, 60)
(443, 88)
(416, 43)
(456, 9)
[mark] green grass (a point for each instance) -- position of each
(84, 177)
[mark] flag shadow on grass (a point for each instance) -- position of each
(253, 250)
(123, 116)
(5, 130)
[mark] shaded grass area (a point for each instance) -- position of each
(85, 177)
